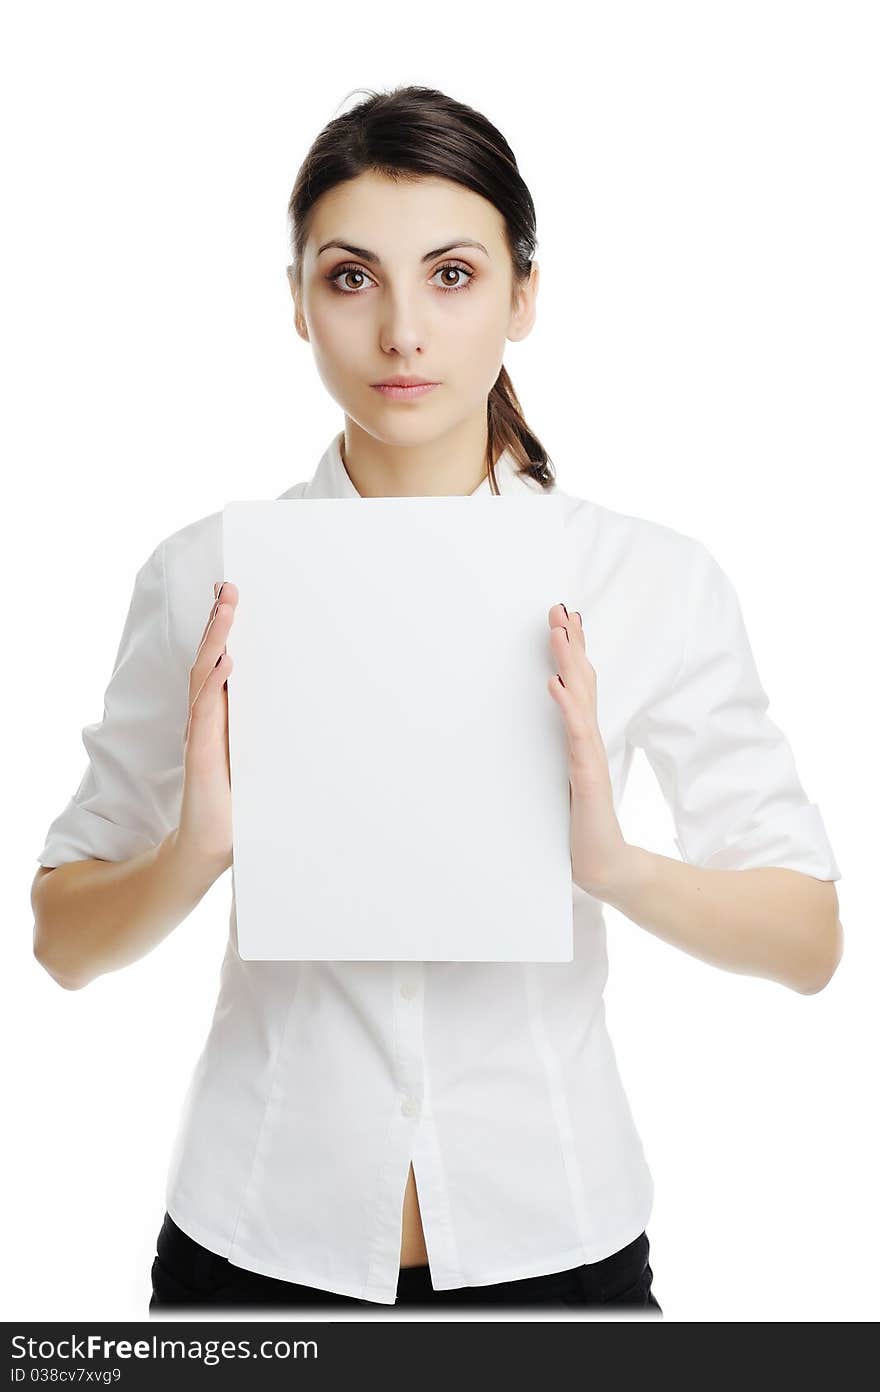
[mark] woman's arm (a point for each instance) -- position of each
(770, 922)
(95, 916)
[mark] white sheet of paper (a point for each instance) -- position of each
(398, 767)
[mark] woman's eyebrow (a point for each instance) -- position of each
(365, 255)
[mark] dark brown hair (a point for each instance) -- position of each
(412, 131)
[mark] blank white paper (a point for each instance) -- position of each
(399, 769)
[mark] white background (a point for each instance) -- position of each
(705, 355)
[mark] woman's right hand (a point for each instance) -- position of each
(205, 829)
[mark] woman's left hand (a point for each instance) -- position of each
(599, 851)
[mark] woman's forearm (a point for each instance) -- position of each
(95, 916)
(771, 922)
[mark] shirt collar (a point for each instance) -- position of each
(331, 478)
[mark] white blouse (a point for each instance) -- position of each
(319, 1082)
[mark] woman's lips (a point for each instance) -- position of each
(406, 393)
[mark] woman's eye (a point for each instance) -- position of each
(458, 270)
(346, 271)
(353, 271)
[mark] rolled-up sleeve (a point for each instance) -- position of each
(129, 796)
(726, 769)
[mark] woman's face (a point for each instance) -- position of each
(398, 305)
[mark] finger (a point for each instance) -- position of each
(584, 741)
(214, 682)
(214, 638)
(218, 584)
(219, 672)
(571, 660)
(560, 645)
(559, 617)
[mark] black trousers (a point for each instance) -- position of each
(185, 1275)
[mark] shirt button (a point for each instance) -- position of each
(408, 989)
(409, 1106)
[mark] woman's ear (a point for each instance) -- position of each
(299, 318)
(522, 316)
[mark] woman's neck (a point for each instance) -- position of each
(449, 465)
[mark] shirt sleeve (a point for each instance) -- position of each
(725, 768)
(129, 797)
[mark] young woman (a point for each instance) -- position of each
(439, 1133)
